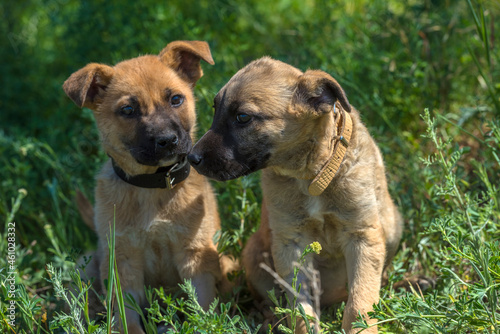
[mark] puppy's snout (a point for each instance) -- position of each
(167, 142)
(194, 159)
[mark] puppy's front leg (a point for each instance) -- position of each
(204, 285)
(365, 256)
(202, 267)
(286, 255)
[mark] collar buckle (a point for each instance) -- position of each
(344, 141)
(169, 180)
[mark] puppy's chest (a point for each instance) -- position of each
(167, 234)
(165, 225)
(323, 225)
(161, 242)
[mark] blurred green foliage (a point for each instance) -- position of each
(393, 58)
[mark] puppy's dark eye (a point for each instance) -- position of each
(176, 100)
(127, 110)
(243, 118)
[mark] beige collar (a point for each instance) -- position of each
(328, 171)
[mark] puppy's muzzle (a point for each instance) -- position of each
(168, 142)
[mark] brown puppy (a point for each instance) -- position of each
(324, 180)
(165, 215)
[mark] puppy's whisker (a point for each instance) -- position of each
(137, 150)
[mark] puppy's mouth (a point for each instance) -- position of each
(167, 160)
(159, 158)
(222, 169)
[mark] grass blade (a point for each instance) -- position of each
(484, 35)
(111, 273)
(474, 15)
(119, 300)
(491, 89)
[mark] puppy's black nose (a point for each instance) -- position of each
(194, 159)
(168, 141)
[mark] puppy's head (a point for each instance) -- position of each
(144, 107)
(270, 114)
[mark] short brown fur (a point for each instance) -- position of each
(162, 236)
(290, 136)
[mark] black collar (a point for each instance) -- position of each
(165, 177)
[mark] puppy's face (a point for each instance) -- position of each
(144, 107)
(269, 114)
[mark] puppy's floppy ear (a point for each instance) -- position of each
(184, 57)
(87, 85)
(319, 90)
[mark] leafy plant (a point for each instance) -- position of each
(217, 319)
(468, 255)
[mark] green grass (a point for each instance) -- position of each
(425, 76)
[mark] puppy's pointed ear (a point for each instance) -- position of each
(184, 57)
(320, 91)
(87, 85)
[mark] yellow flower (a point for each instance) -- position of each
(316, 247)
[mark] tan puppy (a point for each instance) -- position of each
(165, 215)
(324, 180)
